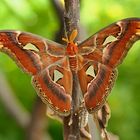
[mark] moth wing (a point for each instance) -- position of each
(107, 49)
(32, 53)
(40, 57)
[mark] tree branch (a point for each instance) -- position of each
(71, 17)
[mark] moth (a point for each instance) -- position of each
(51, 65)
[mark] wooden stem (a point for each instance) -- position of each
(72, 15)
(71, 18)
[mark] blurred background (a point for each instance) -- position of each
(18, 98)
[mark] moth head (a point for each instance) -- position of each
(72, 48)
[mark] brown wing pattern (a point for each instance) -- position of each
(29, 51)
(40, 58)
(108, 55)
(34, 55)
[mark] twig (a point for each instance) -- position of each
(71, 18)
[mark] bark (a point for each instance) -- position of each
(71, 18)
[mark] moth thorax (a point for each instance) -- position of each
(73, 63)
(71, 49)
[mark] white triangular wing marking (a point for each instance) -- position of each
(90, 71)
(57, 75)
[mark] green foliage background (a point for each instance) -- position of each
(38, 16)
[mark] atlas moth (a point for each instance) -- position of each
(94, 61)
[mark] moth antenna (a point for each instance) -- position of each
(71, 38)
(73, 35)
(65, 32)
(66, 40)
